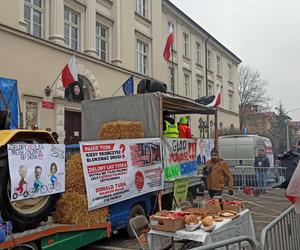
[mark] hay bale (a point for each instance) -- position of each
(74, 175)
(121, 130)
(72, 209)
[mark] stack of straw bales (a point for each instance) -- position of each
(72, 208)
(121, 130)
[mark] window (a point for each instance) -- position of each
(71, 29)
(229, 73)
(198, 53)
(141, 7)
(210, 89)
(199, 88)
(209, 60)
(142, 50)
(219, 66)
(187, 85)
(102, 41)
(171, 84)
(33, 17)
(230, 101)
(185, 45)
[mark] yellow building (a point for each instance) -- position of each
(112, 39)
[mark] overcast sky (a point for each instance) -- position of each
(264, 34)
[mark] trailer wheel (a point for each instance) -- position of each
(26, 246)
(135, 211)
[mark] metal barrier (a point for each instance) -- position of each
(283, 233)
(240, 242)
(257, 177)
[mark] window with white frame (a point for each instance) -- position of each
(71, 28)
(141, 7)
(33, 10)
(198, 53)
(199, 88)
(229, 73)
(171, 84)
(142, 54)
(230, 101)
(219, 65)
(209, 62)
(102, 41)
(187, 91)
(186, 45)
(210, 89)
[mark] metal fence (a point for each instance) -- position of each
(283, 233)
(240, 242)
(257, 177)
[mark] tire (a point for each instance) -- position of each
(22, 215)
(190, 197)
(26, 246)
(135, 210)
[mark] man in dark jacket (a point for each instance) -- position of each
(261, 165)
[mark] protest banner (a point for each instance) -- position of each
(117, 170)
(180, 190)
(36, 170)
(179, 158)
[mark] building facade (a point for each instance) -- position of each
(112, 39)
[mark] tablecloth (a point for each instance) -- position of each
(228, 228)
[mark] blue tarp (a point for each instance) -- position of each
(9, 99)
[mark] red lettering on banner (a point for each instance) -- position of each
(97, 147)
(105, 167)
(178, 157)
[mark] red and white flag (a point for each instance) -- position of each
(293, 189)
(69, 74)
(169, 42)
(217, 100)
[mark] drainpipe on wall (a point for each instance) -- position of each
(206, 83)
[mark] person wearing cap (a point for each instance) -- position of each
(184, 129)
(170, 127)
(216, 170)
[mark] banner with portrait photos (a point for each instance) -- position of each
(36, 170)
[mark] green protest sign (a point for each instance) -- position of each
(180, 190)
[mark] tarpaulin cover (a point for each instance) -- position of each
(9, 99)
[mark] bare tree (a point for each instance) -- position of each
(252, 91)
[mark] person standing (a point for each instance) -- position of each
(184, 129)
(261, 165)
(216, 170)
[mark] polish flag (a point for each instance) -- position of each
(69, 74)
(169, 42)
(217, 100)
(293, 189)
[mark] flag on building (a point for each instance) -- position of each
(69, 73)
(217, 100)
(169, 42)
(128, 86)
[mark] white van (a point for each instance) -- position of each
(240, 150)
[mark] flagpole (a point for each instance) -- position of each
(172, 70)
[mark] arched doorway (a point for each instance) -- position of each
(74, 95)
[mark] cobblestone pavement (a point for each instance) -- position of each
(264, 209)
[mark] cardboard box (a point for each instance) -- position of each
(166, 224)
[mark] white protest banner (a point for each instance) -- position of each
(179, 158)
(118, 170)
(204, 146)
(36, 170)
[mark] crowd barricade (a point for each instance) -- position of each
(263, 178)
(282, 233)
(240, 242)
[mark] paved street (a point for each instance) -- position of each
(264, 209)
